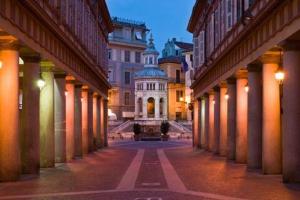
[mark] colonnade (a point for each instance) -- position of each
(253, 118)
(55, 121)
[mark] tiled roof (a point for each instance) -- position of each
(170, 59)
(184, 45)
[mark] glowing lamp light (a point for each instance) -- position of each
(1, 64)
(81, 99)
(214, 102)
(226, 96)
(21, 61)
(247, 88)
(279, 75)
(41, 83)
(66, 93)
(181, 99)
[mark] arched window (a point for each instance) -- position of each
(161, 107)
(151, 107)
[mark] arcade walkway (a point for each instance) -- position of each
(149, 170)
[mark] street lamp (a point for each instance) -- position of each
(247, 88)
(181, 99)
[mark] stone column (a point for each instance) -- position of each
(102, 121)
(223, 121)
(196, 125)
(78, 121)
(254, 158)
(98, 137)
(95, 121)
(272, 159)
(10, 162)
(199, 102)
(157, 108)
(211, 131)
(70, 119)
(202, 123)
(231, 118)
(216, 145)
(90, 121)
(136, 108)
(165, 111)
(30, 116)
(291, 109)
(47, 147)
(85, 132)
(60, 117)
(206, 121)
(145, 107)
(105, 118)
(241, 120)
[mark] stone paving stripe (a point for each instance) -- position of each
(130, 176)
(172, 178)
(193, 193)
(151, 184)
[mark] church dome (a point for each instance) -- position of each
(151, 72)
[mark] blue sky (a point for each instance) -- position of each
(165, 18)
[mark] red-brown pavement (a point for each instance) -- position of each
(149, 171)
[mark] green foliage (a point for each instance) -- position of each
(164, 127)
(136, 128)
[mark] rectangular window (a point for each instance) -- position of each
(109, 54)
(179, 95)
(126, 98)
(111, 75)
(137, 57)
(228, 14)
(127, 77)
(127, 56)
(138, 35)
(178, 76)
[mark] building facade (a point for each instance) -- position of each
(53, 86)
(151, 101)
(246, 88)
(126, 44)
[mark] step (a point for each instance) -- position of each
(150, 139)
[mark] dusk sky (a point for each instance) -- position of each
(165, 18)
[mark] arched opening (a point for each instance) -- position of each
(161, 107)
(151, 107)
(140, 107)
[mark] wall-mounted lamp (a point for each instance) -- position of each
(226, 96)
(247, 88)
(1, 64)
(81, 99)
(41, 83)
(279, 74)
(214, 102)
(66, 93)
(181, 99)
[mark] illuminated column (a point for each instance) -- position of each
(272, 159)
(60, 117)
(78, 121)
(95, 121)
(199, 103)
(196, 125)
(206, 121)
(85, 131)
(30, 116)
(254, 158)
(145, 107)
(47, 148)
(102, 121)
(241, 120)
(99, 140)
(223, 121)
(70, 120)
(90, 121)
(202, 123)
(156, 108)
(211, 131)
(10, 163)
(216, 145)
(165, 111)
(105, 118)
(231, 118)
(291, 117)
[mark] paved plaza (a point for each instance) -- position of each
(149, 171)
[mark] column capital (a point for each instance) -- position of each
(10, 43)
(270, 58)
(231, 80)
(31, 58)
(241, 74)
(255, 66)
(290, 45)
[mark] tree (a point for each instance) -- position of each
(164, 127)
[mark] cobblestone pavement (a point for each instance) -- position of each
(149, 171)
